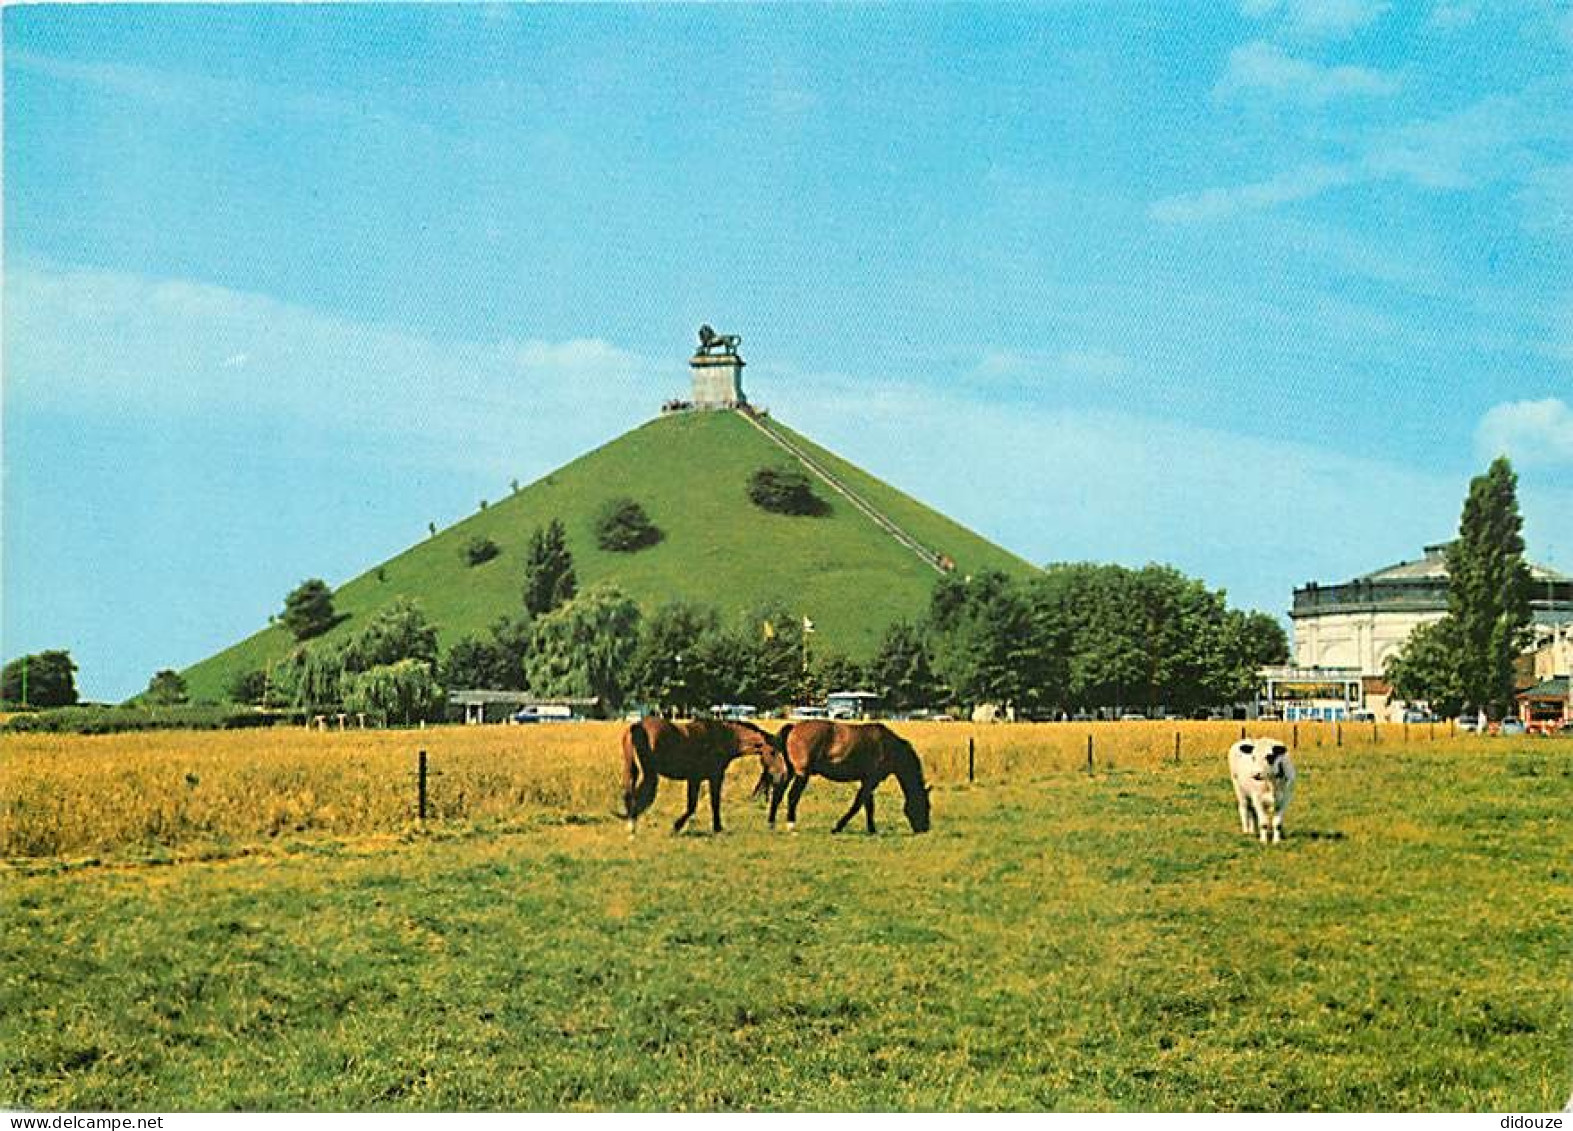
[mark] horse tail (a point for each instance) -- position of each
(639, 777)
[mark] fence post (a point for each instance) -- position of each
(1295, 731)
(1406, 731)
(1176, 748)
(1376, 735)
(1338, 733)
(971, 762)
(1089, 754)
(420, 784)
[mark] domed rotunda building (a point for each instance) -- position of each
(1361, 623)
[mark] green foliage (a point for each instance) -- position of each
(317, 679)
(401, 692)
(548, 570)
(44, 679)
(248, 686)
(673, 665)
(479, 549)
(474, 663)
(831, 671)
(785, 490)
(1426, 668)
(1488, 590)
(399, 631)
(308, 610)
(767, 659)
(986, 646)
(903, 670)
(166, 689)
(116, 720)
(690, 472)
(583, 649)
(622, 526)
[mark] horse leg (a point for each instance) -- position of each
(857, 803)
(868, 809)
(693, 803)
(777, 792)
(715, 803)
(799, 784)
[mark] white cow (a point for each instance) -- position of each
(1263, 785)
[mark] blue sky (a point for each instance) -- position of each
(1253, 289)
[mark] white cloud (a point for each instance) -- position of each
(1318, 18)
(1216, 203)
(1263, 67)
(1493, 139)
(83, 340)
(1006, 363)
(1532, 433)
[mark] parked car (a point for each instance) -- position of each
(1362, 716)
(1418, 717)
(1469, 724)
(809, 713)
(1512, 725)
(1133, 717)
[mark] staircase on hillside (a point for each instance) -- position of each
(938, 562)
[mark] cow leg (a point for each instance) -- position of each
(857, 803)
(1264, 823)
(799, 784)
(1246, 815)
(693, 803)
(715, 803)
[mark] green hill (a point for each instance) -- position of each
(690, 473)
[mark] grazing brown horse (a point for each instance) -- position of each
(866, 754)
(694, 752)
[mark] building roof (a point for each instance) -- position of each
(1547, 689)
(1433, 567)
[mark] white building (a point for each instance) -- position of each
(1362, 623)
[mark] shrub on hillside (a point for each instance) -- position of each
(167, 688)
(623, 526)
(308, 610)
(479, 549)
(785, 490)
(47, 679)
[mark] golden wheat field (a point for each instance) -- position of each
(63, 795)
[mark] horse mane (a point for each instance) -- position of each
(904, 762)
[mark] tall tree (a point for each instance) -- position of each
(670, 666)
(401, 692)
(1426, 667)
(166, 688)
(1488, 590)
(903, 670)
(308, 610)
(399, 631)
(47, 679)
(549, 578)
(584, 647)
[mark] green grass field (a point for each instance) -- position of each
(690, 472)
(1059, 941)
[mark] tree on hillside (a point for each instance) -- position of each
(902, 671)
(1488, 590)
(478, 550)
(548, 570)
(44, 679)
(308, 610)
(511, 636)
(399, 631)
(583, 648)
(166, 688)
(785, 490)
(622, 526)
(1426, 668)
(249, 685)
(831, 671)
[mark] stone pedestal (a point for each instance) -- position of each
(718, 380)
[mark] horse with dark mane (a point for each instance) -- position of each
(694, 752)
(866, 754)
